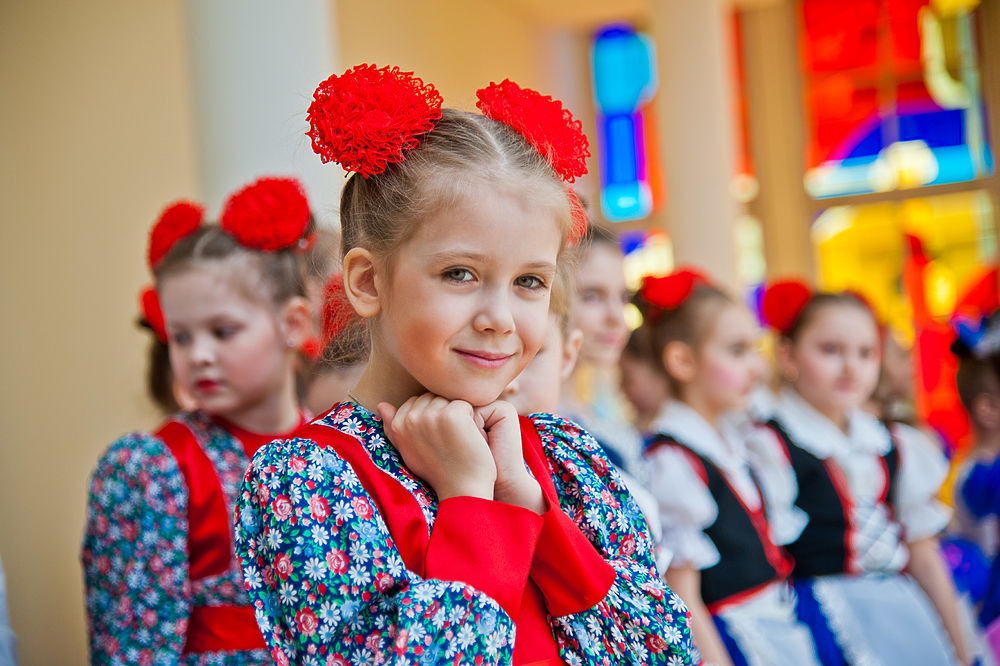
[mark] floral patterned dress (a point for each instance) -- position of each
(163, 585)
(331, 585)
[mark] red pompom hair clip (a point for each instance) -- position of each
(152, 315)
(337, 314)
(269, 214)
(177, 220)
(783, 302)
(670, 291)
(366, 117)
(542, 121)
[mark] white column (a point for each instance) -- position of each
(255, 64)
(697, 138)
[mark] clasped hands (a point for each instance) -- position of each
(461, 450)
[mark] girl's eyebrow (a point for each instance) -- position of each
(451, 256)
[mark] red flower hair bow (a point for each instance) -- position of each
(152, 315)
(365, 118)
(177, 220)
(269, 214)
(783, 302)
(542, 121)
(337, 314)
(670, 291)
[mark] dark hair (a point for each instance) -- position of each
(277, 275)
(160, 377)
(976, 376)
(689, 323)
(381, 212)
(820, 300)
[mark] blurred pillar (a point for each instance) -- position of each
(255, 64)
(697, 138)
(777, 137)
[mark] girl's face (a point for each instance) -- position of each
(599, 305)
(728, 366)
(227, 351)
(834, 362)
(464, 306)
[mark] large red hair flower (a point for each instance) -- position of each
(366, 117)
(269, 214)
(542, 121)
(783, 302)
(152, 315)
(670, 291)
(175, 222)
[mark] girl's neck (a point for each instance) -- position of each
(276, 414)
(381, 382)
(987, 442)
(839, 417)
(704, 409)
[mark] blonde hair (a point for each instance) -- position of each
(381, 212)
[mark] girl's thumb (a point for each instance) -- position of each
(387, 412)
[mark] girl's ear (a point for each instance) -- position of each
(360, 282)
(571, 352)
(296, 322)
(788, 369)
(679, 361)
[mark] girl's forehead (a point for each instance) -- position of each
(844, 321)
(209, 285)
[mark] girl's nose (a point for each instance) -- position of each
(495, 314)
(202, 350)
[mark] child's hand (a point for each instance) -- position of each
(441, 443)
(514, 484)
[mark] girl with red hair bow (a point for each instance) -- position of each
(162, 581)
(423, 521)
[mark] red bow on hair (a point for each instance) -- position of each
(783, 302)
(542, 121)
(269, 214)
(152, 315)
(670, 291)
(177, 220)
(337, 314)
(365, 118)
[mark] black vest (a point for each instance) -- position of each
(822, 548)
(748, 559)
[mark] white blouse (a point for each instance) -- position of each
(687, 507)
(881, 536)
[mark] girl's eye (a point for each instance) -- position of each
(590, 296)
(626, 297)
(458, 274)
(828, 348)
(223, 332)
(181, 338)
(529, 282)
(866, 353)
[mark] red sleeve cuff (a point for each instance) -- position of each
(569, 571)
(486, 544)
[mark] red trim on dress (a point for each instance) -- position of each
(222, 628)
(843, 490)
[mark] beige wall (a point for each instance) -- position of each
(95, 136)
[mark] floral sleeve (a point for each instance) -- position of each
(134, 555)
(330, 587)
(640, 620)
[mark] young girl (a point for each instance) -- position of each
(870, 579)
(977, 487)
(723, 528)
(163, 585)
(592, 398)
(422, 521)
